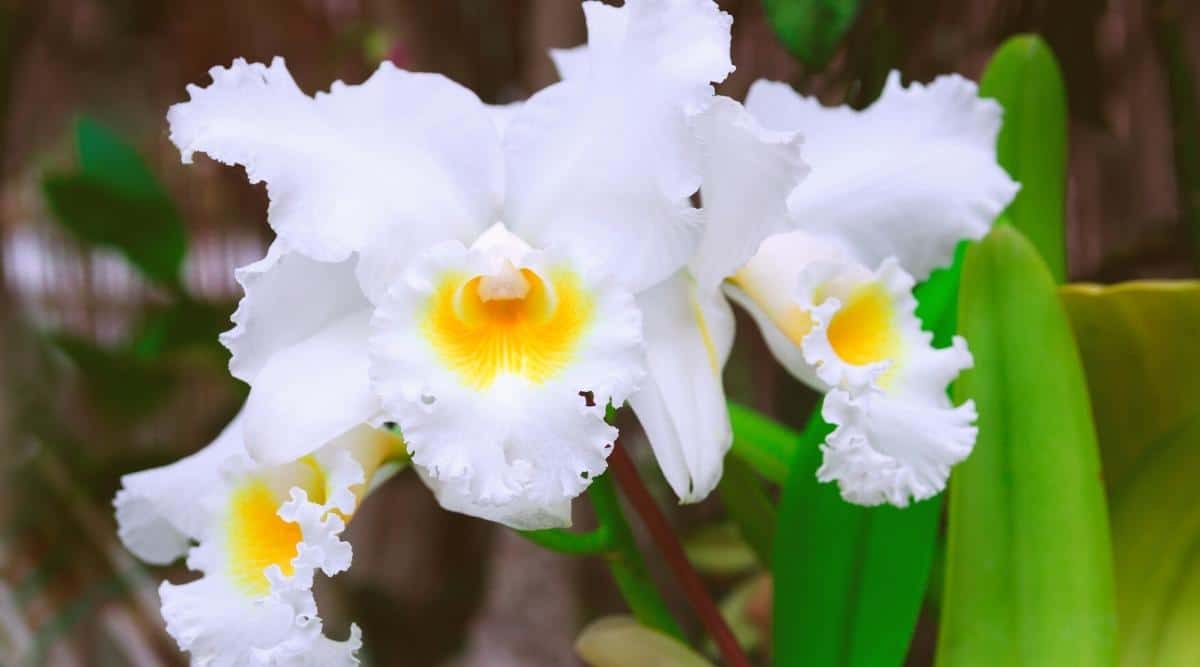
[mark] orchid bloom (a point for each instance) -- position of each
(260, 533)
(490, 279)
(893, 190)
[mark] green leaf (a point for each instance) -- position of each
(812, 29)
(1023, 76)
(1138, 343)
(114, 201)
(937, 300)
(848, 579)
(620, 641)
(1029, 569)
(764, 444)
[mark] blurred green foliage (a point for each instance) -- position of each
(812, 29)
(113, 200)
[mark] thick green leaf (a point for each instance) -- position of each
(1029, 568)
(1024, 77)
(848, 579)
(1138, 343)
(620, 641)
(812, 29)
(113, 200)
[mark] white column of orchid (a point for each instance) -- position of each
(893, 189)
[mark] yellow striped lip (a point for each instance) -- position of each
(517, 322)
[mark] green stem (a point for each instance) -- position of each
(626, 564)
(748, 506)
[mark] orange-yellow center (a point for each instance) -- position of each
(258, 538)
(530, 330)
(863, 330)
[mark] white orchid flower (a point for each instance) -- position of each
(258, 534)
(893, 189)
(490, 279)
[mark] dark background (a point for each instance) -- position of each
(428, 587)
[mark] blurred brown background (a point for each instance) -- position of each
(430, 588)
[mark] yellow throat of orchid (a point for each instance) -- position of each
(258, 537)
(513, 322)
(864, 331)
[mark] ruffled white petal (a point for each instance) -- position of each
(156, 512)
(681, 403)
(505, 430)
(899, 445)
(909, 177)
(288, 298)
(748, 173)
(413, 152)
(311, 392)
(322, 548)
(521, 513)
(606, 161)
(228, 616)
(210, 620)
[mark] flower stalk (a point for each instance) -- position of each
(693, 588)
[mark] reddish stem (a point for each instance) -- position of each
(627, 476)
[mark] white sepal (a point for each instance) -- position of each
(681, 404)
(910, 176)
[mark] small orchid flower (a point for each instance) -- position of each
(490, 279)
(258, 534)
(893, 189)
